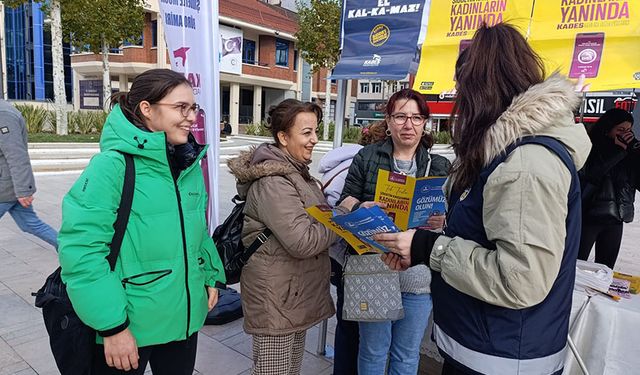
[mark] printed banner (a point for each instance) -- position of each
(231, 50)
(380, 38)
(451, 26)
(410, 201)
(599, 39)
(190, 27)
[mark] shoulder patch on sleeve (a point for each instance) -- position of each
(4, 130)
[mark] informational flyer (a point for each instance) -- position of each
(324, 214)
(364, 223)
(410, 201)
(358, 227)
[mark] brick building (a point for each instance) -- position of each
(270, 69)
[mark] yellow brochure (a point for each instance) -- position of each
(410, 201)
(324, 213)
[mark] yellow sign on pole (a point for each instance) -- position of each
(451, 26)
(600, 39)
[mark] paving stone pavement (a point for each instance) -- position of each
(25, 261)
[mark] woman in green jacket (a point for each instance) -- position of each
(150, 307)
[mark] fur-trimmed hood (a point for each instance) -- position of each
(261, 161)
(546, 109)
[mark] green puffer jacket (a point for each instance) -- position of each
(363, 173)
(167, 257)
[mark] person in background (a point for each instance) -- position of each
(17, 184)
(406, 150)
(285, 283)
(609, 180)
(149, 309)
(334, 167)
(504, 268)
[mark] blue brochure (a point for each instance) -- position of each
(364, 223)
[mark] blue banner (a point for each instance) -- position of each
(380, 38)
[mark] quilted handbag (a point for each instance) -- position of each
(371, 290)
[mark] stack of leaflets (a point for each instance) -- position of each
(634, 281)
(620, 288)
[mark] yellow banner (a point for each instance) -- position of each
(452, 24)
(600, 39)
(324, 214)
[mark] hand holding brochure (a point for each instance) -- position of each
(324, 214)
(364, 223)
(358, 227)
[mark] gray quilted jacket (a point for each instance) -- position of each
(16, 176)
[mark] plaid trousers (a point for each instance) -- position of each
(278, 355)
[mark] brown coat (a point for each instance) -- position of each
(285, 284)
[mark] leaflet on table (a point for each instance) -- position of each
(323, 214)
(410, 201)
(634, 281)
(364, 223)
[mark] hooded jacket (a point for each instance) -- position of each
(16, 176)
(609, 182)
(530, 237)
(502, 302)
(334, 167)
(167, 257)
(285, 283)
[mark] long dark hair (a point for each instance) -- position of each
(497, 66)
(608, 121)
(409, 94)
(150, 86)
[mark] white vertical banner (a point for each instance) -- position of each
(193, 41)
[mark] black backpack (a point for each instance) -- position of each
(228, 239)
(228, 308)
(72, 342)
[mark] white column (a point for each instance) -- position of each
(234, 107)
(161, 49)
(123, 82)
(257, 104)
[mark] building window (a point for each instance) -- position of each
(134, 41)
(376, 87)
(364, 88)
(295, 59)
(154, 33)
(404, 85)
(248, 51)
(282, 52)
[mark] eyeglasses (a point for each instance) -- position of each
(184, 108)
(401, 119)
